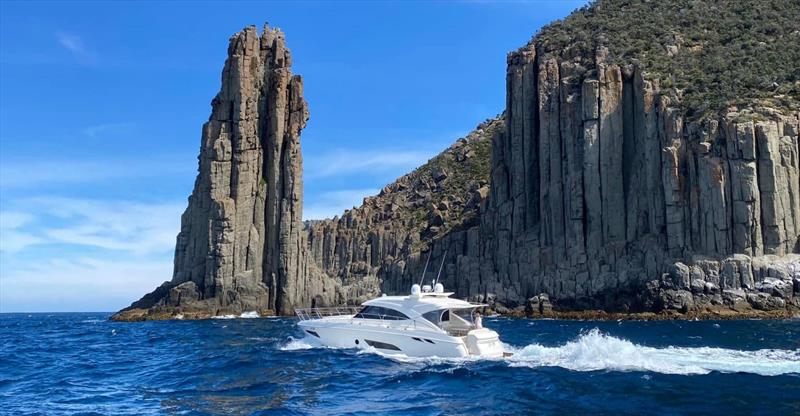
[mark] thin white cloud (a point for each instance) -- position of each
(137, 228)
(330, 204)
(34, 174)
(76, 46)
(348, 162)
(12, 237)
(13, 241)
(82, 284)
(14, 219)
(106, 129)
(73, 254)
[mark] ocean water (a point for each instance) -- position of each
(79, 363)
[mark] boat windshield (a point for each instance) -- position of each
(456, 322)
(377, 312)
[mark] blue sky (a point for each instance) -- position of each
(101, 106)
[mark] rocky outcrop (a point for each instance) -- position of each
(241, 246)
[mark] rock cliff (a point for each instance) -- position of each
(241, 246)
(620, 181)
(605, 195)
(622, 184)
(647, 161)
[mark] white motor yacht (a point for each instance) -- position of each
(426, 323)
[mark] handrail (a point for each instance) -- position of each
(317, 313)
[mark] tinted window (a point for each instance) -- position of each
(391, 313)
(434, 316)
(438, 316)
(378, 312)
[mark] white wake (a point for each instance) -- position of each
(597, 351)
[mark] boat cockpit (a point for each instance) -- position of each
(456, 322)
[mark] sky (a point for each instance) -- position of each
(101, 106)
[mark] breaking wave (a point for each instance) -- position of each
(244, 315)
(595, 351)
(300, 344)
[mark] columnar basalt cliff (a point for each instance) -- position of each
(604, 196)
(623, 182)
(647, 161)
(612, 189)
(241, 246)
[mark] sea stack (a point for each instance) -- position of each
(240, 244)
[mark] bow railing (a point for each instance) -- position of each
(316, 313)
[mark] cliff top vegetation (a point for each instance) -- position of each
(710, 54)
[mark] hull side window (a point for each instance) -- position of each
(381, 345)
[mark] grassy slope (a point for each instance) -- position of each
(733, 52)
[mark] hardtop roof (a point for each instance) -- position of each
(426, 302)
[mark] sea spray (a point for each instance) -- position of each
(595, 351)
(300, 344)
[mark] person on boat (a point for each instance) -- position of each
(478, 320)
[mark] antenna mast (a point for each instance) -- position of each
(440, 268)
(426, 267)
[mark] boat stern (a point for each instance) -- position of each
(485, 343)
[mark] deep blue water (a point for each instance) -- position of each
(84, 364)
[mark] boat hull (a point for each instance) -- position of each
(386, 339)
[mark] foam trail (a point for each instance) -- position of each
(597, 351)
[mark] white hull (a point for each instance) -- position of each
(427, 323)
(398, 339)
